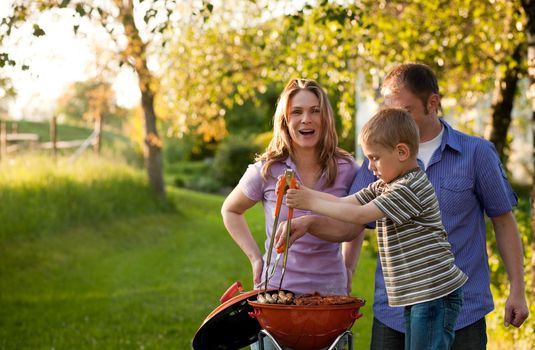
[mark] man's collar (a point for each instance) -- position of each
(450, 137)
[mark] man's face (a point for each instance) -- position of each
(404, 99)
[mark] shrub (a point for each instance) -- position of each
(204, 184)
(232, 158)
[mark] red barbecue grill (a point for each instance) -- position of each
(240, 321)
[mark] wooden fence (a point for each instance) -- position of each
(11, 141)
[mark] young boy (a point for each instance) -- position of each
(415, 256)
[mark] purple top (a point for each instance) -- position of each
(313, 265)
(469, 182)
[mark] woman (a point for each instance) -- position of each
(304, 139)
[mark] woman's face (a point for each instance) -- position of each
(304, 120)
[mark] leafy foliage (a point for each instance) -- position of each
(213, 66)
(90, 100)
(232, 158)
(523, 337)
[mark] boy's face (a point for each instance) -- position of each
(385, 163)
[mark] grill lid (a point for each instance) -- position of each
(229, 326)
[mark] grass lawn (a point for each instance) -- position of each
(144, 282)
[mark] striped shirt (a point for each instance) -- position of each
(415, 255)
(469, 183)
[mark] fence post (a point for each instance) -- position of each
(54, 136)
(3, 140)
(98, 130)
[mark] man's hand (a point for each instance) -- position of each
(300, 226)
(349, 273)
(516, 310)
(257, 265)
(300, 198)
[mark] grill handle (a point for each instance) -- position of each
(355, 314)
(233, 289)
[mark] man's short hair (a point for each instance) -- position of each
(418, 78)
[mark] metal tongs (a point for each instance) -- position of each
(286, 181)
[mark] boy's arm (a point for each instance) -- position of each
(326, 196)
(303, 196)
(348, 212)
(346, 209)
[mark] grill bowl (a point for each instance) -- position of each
(306, 327)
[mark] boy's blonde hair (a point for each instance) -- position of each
(390, 127)
(281, 145)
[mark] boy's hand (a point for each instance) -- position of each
(279, 185)
(300, 198)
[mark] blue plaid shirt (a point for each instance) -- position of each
(469, 182)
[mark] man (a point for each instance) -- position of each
(469, 182)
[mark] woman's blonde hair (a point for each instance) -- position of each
(280, 146)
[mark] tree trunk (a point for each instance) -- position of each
(533, 210)
(529, 8)
(152, 144)
(136, 55)
(502, 104)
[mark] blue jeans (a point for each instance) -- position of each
(430, 325)
(471, 337)
(386, 338)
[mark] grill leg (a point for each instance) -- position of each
(263, 334)
(349, 337)
(274, 345)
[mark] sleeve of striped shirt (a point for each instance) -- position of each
(367, 194)
(400, 204)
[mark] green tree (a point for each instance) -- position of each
(529, 8)
(92, 102)
(7, 92)
(470, 45)
(134, 28)
(212, 67)
(84, 101)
